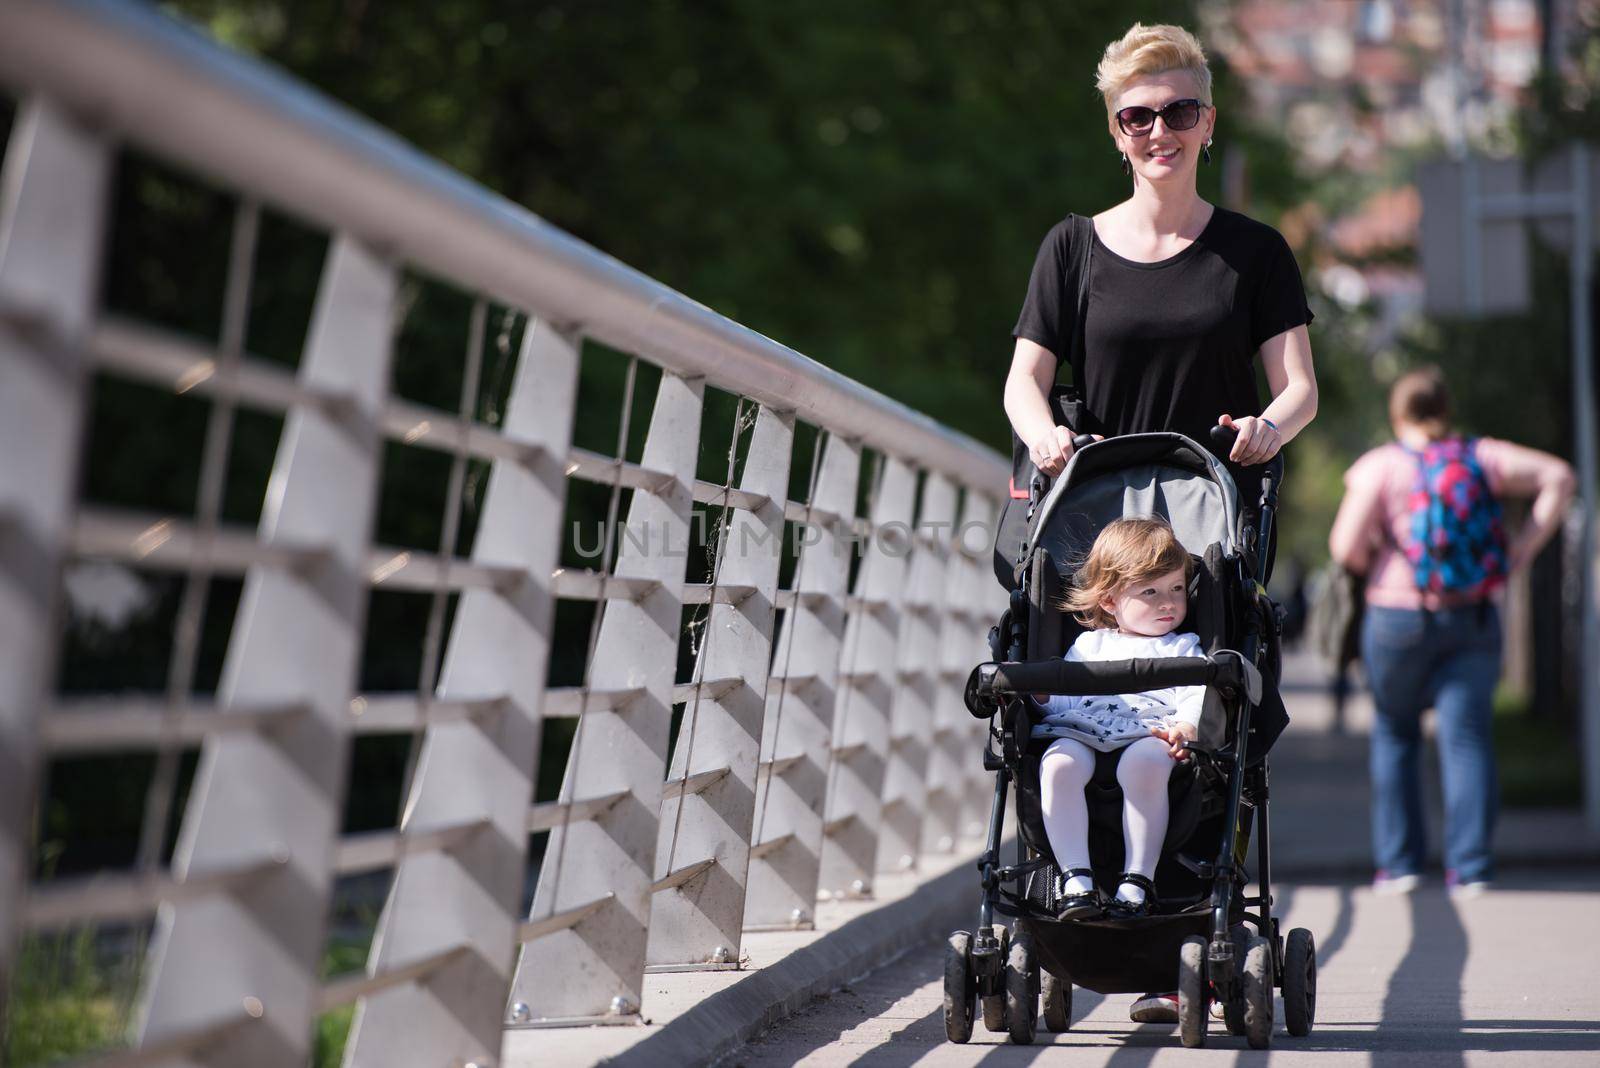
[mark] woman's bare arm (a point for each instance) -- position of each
(1292, 379)
(1033, 371)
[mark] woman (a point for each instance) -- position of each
(1183, 296)
(1432, 642)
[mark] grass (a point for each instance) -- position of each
(1538, 758)
(332, 1028)
(68, 998)
(72, 998)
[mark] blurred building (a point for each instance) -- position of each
(1351, 81)
(1368, 87)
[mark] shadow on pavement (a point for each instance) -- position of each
(1330, 943)
(1423, 1003)
(1449, 1045)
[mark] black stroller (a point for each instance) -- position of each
(1203, 940)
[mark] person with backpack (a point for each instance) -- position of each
(1421, 519)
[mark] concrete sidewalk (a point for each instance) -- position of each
(696, 1018)
(1321, 816)
(1320, 820)
(1505, 980)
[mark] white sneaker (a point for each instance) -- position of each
(1386, 885)
(1462, 891)
(1155, 1008)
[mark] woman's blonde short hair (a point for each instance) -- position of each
(1145, 50)
(1127, 551)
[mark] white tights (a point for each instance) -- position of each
(1142, 772)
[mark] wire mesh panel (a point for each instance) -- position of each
(866, 690)
(697, 918)
(797, 728)
(51, 217)
(918, 683)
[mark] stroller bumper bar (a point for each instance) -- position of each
(990, 684)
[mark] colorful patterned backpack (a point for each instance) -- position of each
(1457, 543)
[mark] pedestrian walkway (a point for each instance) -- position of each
(1421, 979)
(1504, 979)
(1320, 813)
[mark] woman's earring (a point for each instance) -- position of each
(1205, 151)
(1127, 168)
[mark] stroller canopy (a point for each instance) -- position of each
(1162, 474)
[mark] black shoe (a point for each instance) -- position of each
(1127, 910)
(1085, 906)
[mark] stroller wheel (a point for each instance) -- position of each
(1233, 1007)
(1022, 991)
(1258, 994)
(994, 1005)
(960, 988)
(1193, 992)
(1057, 997)
(1299, 982)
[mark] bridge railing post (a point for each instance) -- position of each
(917, 681)
(861, 722)
(707, 813)
(955, 738)
(264, 812)
(797, 728)
(962, 737)
(52, 215)
(474, 779)
(585, 941)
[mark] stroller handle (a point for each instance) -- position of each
(990, 683)
(1041, 481)
(1222, 438)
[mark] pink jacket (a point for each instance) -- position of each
(1374, 518)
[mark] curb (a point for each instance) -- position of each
(725, 1021)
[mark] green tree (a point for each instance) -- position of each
(867, 183)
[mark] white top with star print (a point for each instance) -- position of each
(1109, 722)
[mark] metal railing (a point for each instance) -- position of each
(822, 736)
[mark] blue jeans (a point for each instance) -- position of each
(1448, 660)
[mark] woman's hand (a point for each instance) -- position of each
(1051, 450)
(1258, 440)
(1175, 733)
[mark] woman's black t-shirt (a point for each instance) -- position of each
(1169, 345)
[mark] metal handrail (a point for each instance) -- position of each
(257, 130)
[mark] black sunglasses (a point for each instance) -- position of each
(1137, 120)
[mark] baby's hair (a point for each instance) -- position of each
(1127, 551)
